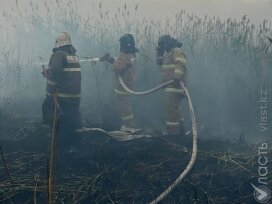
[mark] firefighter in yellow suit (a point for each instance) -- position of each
(173, 67)
(63, 81)
(124, 66)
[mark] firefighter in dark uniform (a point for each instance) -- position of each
(173, 67)
(63, 82)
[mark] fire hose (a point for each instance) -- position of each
(124, 86)
(52, 161)
(120, 79)
(193, 156)
(191, 163)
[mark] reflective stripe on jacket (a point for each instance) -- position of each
(125, 66)
(174, 65)
(65, 74)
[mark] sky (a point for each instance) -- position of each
(257, 10)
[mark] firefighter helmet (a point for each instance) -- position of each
(163, 40)
(63, 39)
(168, 43)
(127, 44)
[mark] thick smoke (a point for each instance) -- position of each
(226, 64)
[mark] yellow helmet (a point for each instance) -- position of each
(63, 39)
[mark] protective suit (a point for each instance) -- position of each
(173, 67)
(124, 66)
(63, 81)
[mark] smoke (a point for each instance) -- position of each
(225, 71)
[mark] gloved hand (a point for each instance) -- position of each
(159, 55)
(107, 58)
(45, 72)
(159, 60)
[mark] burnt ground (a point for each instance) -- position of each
(102, 170)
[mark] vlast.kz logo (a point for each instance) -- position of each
(262, 194)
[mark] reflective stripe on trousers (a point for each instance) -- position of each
(174, 90)
(124, 108)
(172, 123)
(52, 83)
(173, 113)
(71, 69)
(63, 95)
(168, 66)
(129, 117)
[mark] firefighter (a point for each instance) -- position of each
(63, 82)
(125, 66)
(173, 67)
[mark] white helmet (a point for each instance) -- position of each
(63, 39)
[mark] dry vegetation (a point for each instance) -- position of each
(227, 59)
(135, 172)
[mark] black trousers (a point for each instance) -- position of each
(48, 110)
(69, 118)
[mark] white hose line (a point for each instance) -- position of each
(95, 60)
(142, 92)
(194, 130)
(193, 157)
